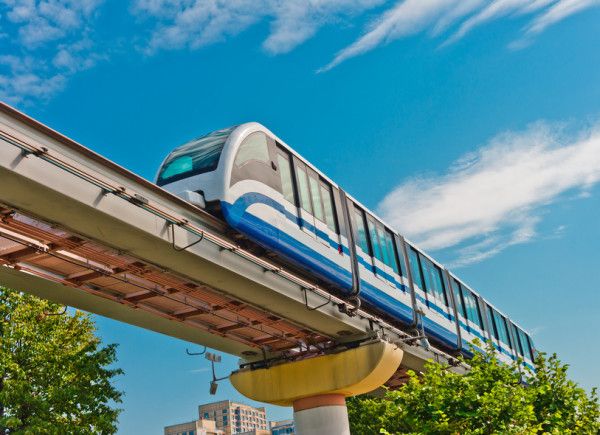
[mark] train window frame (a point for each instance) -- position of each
(520, 349)
(360, 214)
(507, 330)
(286, 156)
(502, 333)
(376, 252)
(444, 291)
(433, 276)
(220, 138)
(392, 251)
(412, 252)
(531, 347)
(472, 296)
(457, 293)
(528, 342)
(401, 247)
(300, 169)
(490, 318)
(315, 194)
(333, 225)
(253, 159)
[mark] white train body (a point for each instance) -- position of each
(269, 194)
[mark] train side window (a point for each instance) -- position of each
(391, 251)
(383, 244)
(438, 284)
(285, 173)
(374, 239)
(361, 230)
(472, 308)
(500, 322)
(490, 319)
(329, 207)
(518, 339)
(413, 259)
(507, 332)
(433, 280)
(479, 314)
(401, 255)
(254, 147)
(457, 297)
(315, 193)
(303, 188)
(527, 343)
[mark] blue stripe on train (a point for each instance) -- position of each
(268, 235)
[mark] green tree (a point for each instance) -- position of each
(492, 398)
(55, 375)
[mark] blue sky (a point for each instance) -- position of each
(472, 126)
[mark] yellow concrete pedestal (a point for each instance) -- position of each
(317, 387)
(348, 373)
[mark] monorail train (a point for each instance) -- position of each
(272, 197)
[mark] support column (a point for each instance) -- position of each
(325, 414)
(317, 387)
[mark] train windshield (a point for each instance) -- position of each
(195, 157)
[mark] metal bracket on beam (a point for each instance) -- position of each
(174, 245)
(305, 291)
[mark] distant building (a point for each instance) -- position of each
(196, 427)
(255, 432)
(284, 427)
(235, 418)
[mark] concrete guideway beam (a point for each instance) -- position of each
(317, 387)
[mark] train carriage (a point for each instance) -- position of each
(270, 195)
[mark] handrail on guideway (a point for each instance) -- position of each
(173, 220)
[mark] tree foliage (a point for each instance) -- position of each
(55, 375)
(492, 398)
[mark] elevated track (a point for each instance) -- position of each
(78, 229)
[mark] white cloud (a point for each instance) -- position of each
(296, 21)
(498, 9)
(559, 12)
(47, 20)
(48, 42)
(493, 198)
(196, 23)
(408, 17)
